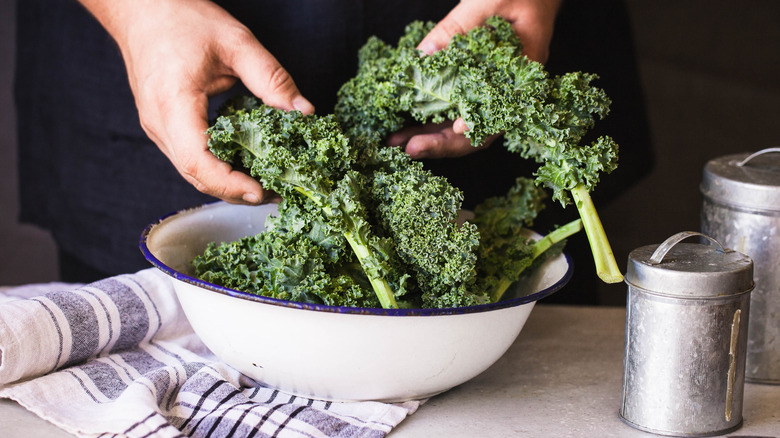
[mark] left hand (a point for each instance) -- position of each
(532, 20)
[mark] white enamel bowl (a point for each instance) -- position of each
(328, 352)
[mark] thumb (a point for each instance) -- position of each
(462, 18)
(265, 77)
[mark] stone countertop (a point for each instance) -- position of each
(562, 378)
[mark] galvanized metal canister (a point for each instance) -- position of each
(686, 336)
(741, 209)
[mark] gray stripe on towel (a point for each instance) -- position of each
(59, 332)
(105, 378)
(83, 324)
(133, 315)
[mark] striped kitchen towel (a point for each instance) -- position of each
(117, 358)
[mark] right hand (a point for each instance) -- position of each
(178, 53)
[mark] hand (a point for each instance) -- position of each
(532, 20)
(178, 53)
(441, 140)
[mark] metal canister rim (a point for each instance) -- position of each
(689, 269)
(675, 297)
(747, 181)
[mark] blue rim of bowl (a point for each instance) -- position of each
(511, 302)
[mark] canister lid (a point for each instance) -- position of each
(690, 269)
(750, 181)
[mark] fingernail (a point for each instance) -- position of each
(415, 153)
(394, 140)
(427, 47)
(301, 104)
(251, 198)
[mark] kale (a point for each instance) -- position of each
(483, 78)
(363, 225)
(398, 219)
(506, 251)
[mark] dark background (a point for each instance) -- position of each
(709, 72)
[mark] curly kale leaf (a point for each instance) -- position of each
(396, 217)
(506, 251)
(357, 216)
(483, 78)
(418, 211)
(308, 158)
(284, 266)
(286, 151)
(552, 138)
(480, 77)
(370, 112)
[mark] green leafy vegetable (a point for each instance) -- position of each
(398, 219)
(364, 225)
(505, 250)
(356, 218)
(296, 156)
(483, 78)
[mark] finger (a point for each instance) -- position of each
(217, 178)
(186, 145)
(400, 138)
(265, 77)
(462, 18)
(459, 126)
(445, 144)
(442, 144)
(536, 41)
(397, 139)
(534, 26)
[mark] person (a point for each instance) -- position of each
(99, 87)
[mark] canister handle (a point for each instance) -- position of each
(660, 252)
(755, 154)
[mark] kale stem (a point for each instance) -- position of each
(382, 289)
(606, 266)
(556, 236)
(538, 248)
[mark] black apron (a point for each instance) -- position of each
(89, 174)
